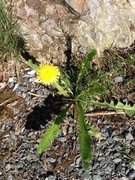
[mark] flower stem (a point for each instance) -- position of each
(60, 89)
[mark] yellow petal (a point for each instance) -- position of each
(48, 74)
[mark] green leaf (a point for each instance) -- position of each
(84, 137)
(48, 138)
(32, 65)
(85, 65)
(130, 110)
(91, 91)
(65, 81)
(50, 134)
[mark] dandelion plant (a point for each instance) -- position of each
(80, 90)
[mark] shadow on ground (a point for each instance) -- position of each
(42, 115)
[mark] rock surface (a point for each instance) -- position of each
(96, 24)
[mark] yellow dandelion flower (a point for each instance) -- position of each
(48, 74)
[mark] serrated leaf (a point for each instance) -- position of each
(130, 110)
(84, 137)
(85, 65)
(48, 138)
(50, 134)
(65, 81)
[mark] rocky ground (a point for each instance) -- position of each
(55, 30)
(24, 114)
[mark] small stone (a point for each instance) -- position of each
(70, 168)
(19, 166)
(117, 160)
(24, 95)
(52, 160)
(72, 165)
(80, 172)
(124, 178)
(78, 161)
(129, 137)
(95, 166)
(81, 49)
(12, 79)
(70, 130)
(96, 177)
(133, 165)
(32, 73)
(2, 85)
(25, 174)
(73, 137)
(10, 177)
(62, 139)
(16, 111)
(15, 87)
(51, 177)
(115, 138)
(22, 88)
(33, 79)
(86, 176)
(131, 174)
(8, 167)
(118, 79)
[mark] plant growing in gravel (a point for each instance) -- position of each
(81, 88)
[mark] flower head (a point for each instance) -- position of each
(48, 74)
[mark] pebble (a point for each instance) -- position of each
(95, 166)
(52, 160)
(15, 87)
(81, 49)
(70, 130)
(25, 175)
(8, 167)
(129, 137)
(70, 168)
(86, 176)
(117, 160)
(34, 80)
(78, 162)
(133, 165)
(97, 177)
(10, 177)
(31, 73)
(51, 178)
(62, 139)
(118, 79)
(124, 178)
(22, 88)
(131, 174)
(12, 79)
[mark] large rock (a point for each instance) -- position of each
(98, 24)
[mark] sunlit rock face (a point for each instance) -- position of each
(98, 24)
(107, 23)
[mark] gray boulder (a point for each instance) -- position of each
(98, 24)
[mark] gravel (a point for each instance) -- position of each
(113, 153)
